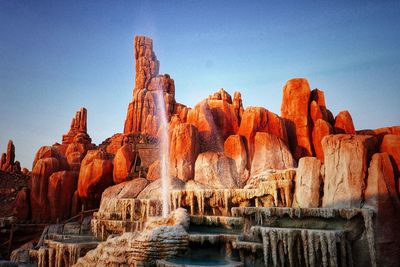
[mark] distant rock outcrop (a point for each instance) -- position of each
(7, 160)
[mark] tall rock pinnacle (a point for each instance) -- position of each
(142, 111)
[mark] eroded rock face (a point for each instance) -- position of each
(258, 119)
(294, 109)
(128, 189)
(391, 145)
(142, 111)
(123, 163)
(308, 183)
(22, 205)
(62, 186)
(78, 130)
(154, 190)
(161, 238)
(381, 195)
(7, 162)
(41, 172)
(321, 129)
(270, 153)
(94, 177)
(234, 148)
(216, 170)
(184, 148)
(346, 163)
(344, 123)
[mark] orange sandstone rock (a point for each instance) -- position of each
(123, 163)
(294, 109)
(320, 130)
(344, 123)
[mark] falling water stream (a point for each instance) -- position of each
(164, 153)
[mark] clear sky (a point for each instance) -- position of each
(57, 56)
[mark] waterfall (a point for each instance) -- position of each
(164, 152)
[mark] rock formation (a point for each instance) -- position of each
(7, 161)
(346, 164)
(216, 170)
(184, 148)
(381, 195)
(123, 163)
(294, 109)
(344, 123)
(308, 183)
(94, 177)
(234, 148)
(321, 129)
(270, 153)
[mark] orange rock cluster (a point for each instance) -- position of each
(218, 143)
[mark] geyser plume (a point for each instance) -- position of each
(164, 151)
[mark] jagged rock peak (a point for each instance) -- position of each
(78, 129)
(7, 160)
(147, 65)
(80, 121)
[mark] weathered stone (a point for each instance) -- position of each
(128, 189)
(216, 170)
(294, 109)
(258, 119)
(184, 148)
(321, 129)
(391, 145)
(308, 183)
(94, 177)
(154, 171)
(22, 205)
(381, 195)
(123, 163)
(154, 190)
(344, 123)
(346, 163)
(41, 172)
(270, 153)
(62, 186)
(162, 238)
(201, 117)
(235, 149)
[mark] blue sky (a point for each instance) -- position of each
(56, 56)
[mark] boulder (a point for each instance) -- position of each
(128, 189)
(216, 170)
(184, 148)
(381, 195)
(41, 172)
(344, 123)
(270, 153)
(258, 119)
(294, 109)
(225, 114)
(94, 177)
(321, 129)
(346, 162)
(308, 183)
(22, 205)
(234, 148)
(154, 190)
(202, 118)
(315, 112)
(391, 145)
(123, 163)
(154, 171)
(319, 97)
(62, 186)
(51, 152)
